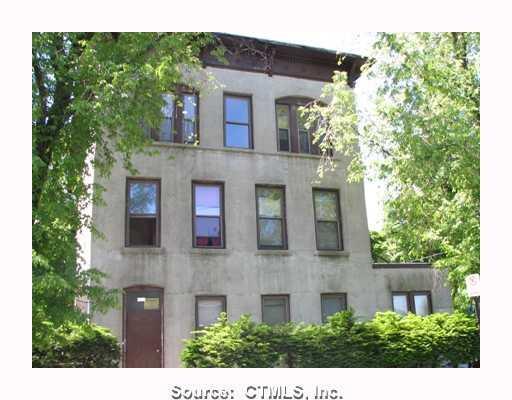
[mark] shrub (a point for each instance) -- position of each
(430, 341)
(388, 340)
(78, 346)
(341, 342)
(241, 343)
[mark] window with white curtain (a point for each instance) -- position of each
(208, 309)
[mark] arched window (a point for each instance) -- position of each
(292, 134)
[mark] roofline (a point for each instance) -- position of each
(293, 45)
(286, 59)
(410, 265)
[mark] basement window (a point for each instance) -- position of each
(416, 302)
(332, 303)
(275, 309)
(401, 303)
(208, 309)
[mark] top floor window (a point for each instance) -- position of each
(238, 121)
(180, 118)
(292, 134)
(283, 127)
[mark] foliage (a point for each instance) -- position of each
(379, 251)
(242, 343)
(389, 340)
(340, 343)
(328, 121)
(431, 341)
(384, 249)
(78, 346)
(90, 92)
(422, 133)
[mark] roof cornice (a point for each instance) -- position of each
(277, 58)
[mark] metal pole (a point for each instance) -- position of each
(476, 299)
(477, 308)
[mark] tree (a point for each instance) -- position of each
(90, 94)
(424, 133)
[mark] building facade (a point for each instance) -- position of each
(231, 216)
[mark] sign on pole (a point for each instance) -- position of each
(473, 285)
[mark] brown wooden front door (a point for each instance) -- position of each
(143, 338)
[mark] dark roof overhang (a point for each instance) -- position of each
(277, 58)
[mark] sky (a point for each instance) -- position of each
(349, 42)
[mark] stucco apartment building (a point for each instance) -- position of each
(231, 216)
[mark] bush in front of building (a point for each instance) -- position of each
(242, 343)
(78, 346)
(388, 340)
(341, 342)
(435, 340)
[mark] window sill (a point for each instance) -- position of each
(143, 250)
(175, 144)
(332, 253)
(269, 252)
(209, 251)
(240, 150)
(302, 155)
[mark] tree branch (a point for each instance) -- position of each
(41, 87)
(55, 119)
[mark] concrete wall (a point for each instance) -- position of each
(241, 272)
(412, 279)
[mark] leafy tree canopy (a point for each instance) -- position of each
(90, 92)
(423, 137)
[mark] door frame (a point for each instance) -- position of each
(136, 288)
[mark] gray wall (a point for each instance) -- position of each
(241, 272)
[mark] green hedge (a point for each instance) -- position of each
(78, 346)
(388, 340)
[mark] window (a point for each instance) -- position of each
(271, 222)
(189, 118)
(143, 212)
(180, 123)
(304, 137)
(208, 214)
(275, 309)
(401, 303)
(419, 303)
(237, 121)
(208, 309)
(327, 219)
(283, 126)
(292, 134)
(166, 131)
(332, 303)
